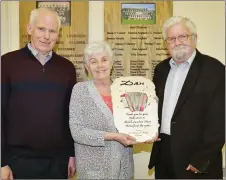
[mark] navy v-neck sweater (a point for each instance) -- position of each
(35, 104)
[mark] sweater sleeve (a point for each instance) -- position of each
(5, 94)
(72, 82)
(81, 133)
(73, 78)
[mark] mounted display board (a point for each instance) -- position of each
(74, 31)
(134, 31)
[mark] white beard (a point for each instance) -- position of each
(179, 53)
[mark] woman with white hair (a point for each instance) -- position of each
(101, 152)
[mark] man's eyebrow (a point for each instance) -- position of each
(45, 28)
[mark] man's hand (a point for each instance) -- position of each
(156, 138)
(71, 167)
(6, 173)
(192, 168)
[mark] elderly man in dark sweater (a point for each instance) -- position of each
(36, 86)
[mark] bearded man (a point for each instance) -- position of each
(191, 91)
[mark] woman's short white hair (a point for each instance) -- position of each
(96, 47)
(36, 12)
(178, 19)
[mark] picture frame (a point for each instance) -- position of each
(138, 13)
(63, 8)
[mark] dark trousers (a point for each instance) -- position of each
(164, 165)
(28, 167)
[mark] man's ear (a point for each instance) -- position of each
(164, 43)
(194, 38)
(29, 29)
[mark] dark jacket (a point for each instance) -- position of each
(198, 122)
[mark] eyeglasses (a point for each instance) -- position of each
(181, 38)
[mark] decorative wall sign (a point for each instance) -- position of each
(134, 31)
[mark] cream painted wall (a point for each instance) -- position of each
(9, 26)
(4, 33)
(209, 17)
(96, 21)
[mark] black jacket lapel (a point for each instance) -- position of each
(190, 81)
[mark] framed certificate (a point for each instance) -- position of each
(135, 107)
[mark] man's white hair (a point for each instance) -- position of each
(96, 47)
(178, 19)
(36, 12)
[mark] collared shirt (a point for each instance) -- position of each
(174, 84)
(36, 54)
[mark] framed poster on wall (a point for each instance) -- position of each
(62, 8)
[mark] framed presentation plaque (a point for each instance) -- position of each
(135, 107)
